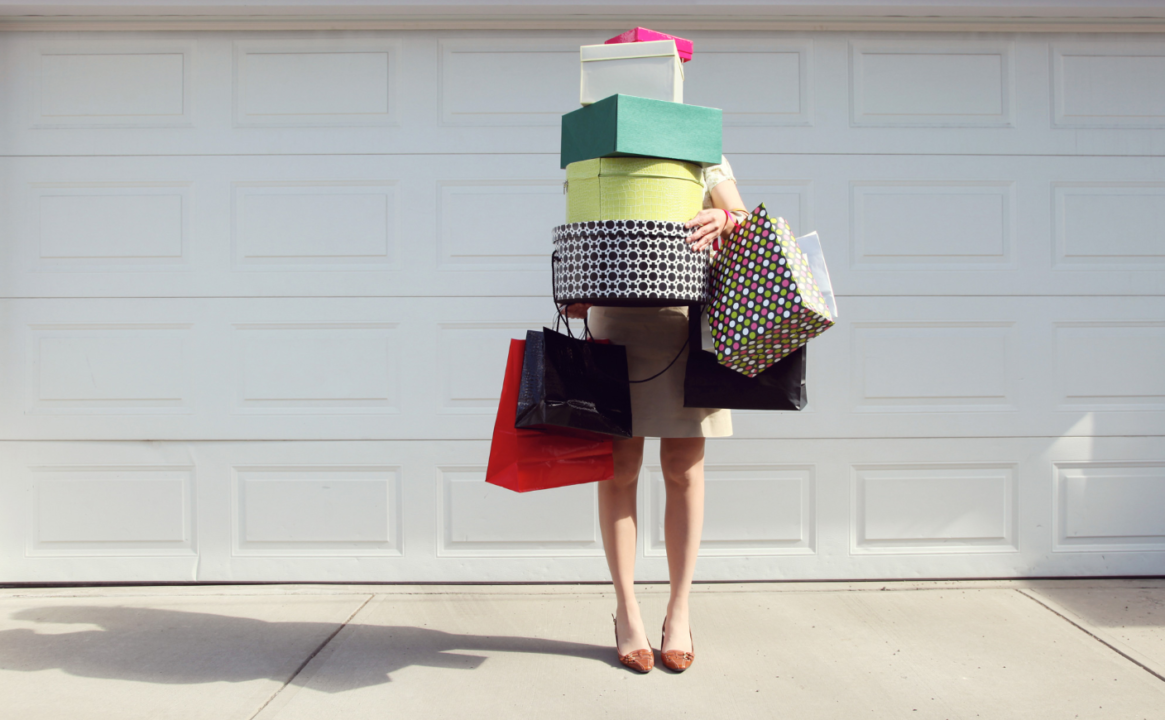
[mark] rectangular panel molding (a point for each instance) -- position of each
(480, 519)
(508, 81)
(104, 227)
(315, 83)
(1109, 225)
(1109, 507)
(790, 199)
(941, 508)
(775, 73)
(322, 226)
(112, 511)
(310, 510)
(1110, 365)
(920, 84)
(317, 368)
(751, 510)
(83, 85)
(472, 362)
(933, 226)
(1109, 85)
(109, 369)
(932, 367)
(500, 225)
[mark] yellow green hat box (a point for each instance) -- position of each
(633, 188)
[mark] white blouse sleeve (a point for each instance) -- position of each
(713, 176)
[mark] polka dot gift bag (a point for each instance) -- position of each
(764, 302)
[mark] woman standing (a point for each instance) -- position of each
(652, 337)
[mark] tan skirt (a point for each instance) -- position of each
(652, 337)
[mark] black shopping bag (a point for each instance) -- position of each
(574, 386)
(708, 384)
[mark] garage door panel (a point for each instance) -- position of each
(473, 226)
(948, 508)
(507, 81)
(1110, 365)
(1104, 506)
(761, 509)
(317, 368)
(316, 226)
(73, 512)
(257, 292)
(373, 92)
(969, 224)
(1108, 226)
(877, 508)
(953, 84)
(82, 84)
(293, 82)
(777, 72)
(432, 368)
(978, 367)
(1108, 84)
(109, 369)
(259, 368)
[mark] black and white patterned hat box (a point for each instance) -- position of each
(628, 263)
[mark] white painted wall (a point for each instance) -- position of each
(255, 291)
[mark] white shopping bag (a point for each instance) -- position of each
(811, 245)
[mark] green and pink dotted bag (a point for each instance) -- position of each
(764, 302)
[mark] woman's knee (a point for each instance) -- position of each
(681, 460)
(628, 459)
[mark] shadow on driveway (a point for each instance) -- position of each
(177, 647)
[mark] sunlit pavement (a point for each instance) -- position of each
(979, 649)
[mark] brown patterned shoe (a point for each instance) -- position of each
(676, 660)
(638, 660)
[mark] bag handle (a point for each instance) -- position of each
(661, 372)
(561, 315)
(699, 311)
(562, 318)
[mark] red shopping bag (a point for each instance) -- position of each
(524, 460)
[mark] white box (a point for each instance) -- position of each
(644, 69)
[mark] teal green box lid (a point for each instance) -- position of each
(627, 125)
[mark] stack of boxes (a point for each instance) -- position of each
(634, 156)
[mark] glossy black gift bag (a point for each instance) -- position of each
(708, 384)
(574, 386)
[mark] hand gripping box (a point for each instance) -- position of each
(623, 125)
(643, 69)
(633, 188)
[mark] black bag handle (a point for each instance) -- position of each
(561, 317)
(698, 310)
(661, 372)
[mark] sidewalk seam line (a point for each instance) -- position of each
(311, 657)
(1091, 634)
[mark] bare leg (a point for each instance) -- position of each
(617, 521)
(682, 460)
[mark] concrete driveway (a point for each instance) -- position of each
(1022, 649)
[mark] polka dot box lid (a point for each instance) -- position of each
(764, 303)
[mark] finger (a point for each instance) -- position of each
(703, 232)
(702, 226)
(701, 218)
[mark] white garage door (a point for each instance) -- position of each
(257, 290)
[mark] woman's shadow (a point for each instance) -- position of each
(177, 647)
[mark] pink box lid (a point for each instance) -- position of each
(641, 34)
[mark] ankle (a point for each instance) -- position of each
(628, 611)
(678, 609)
